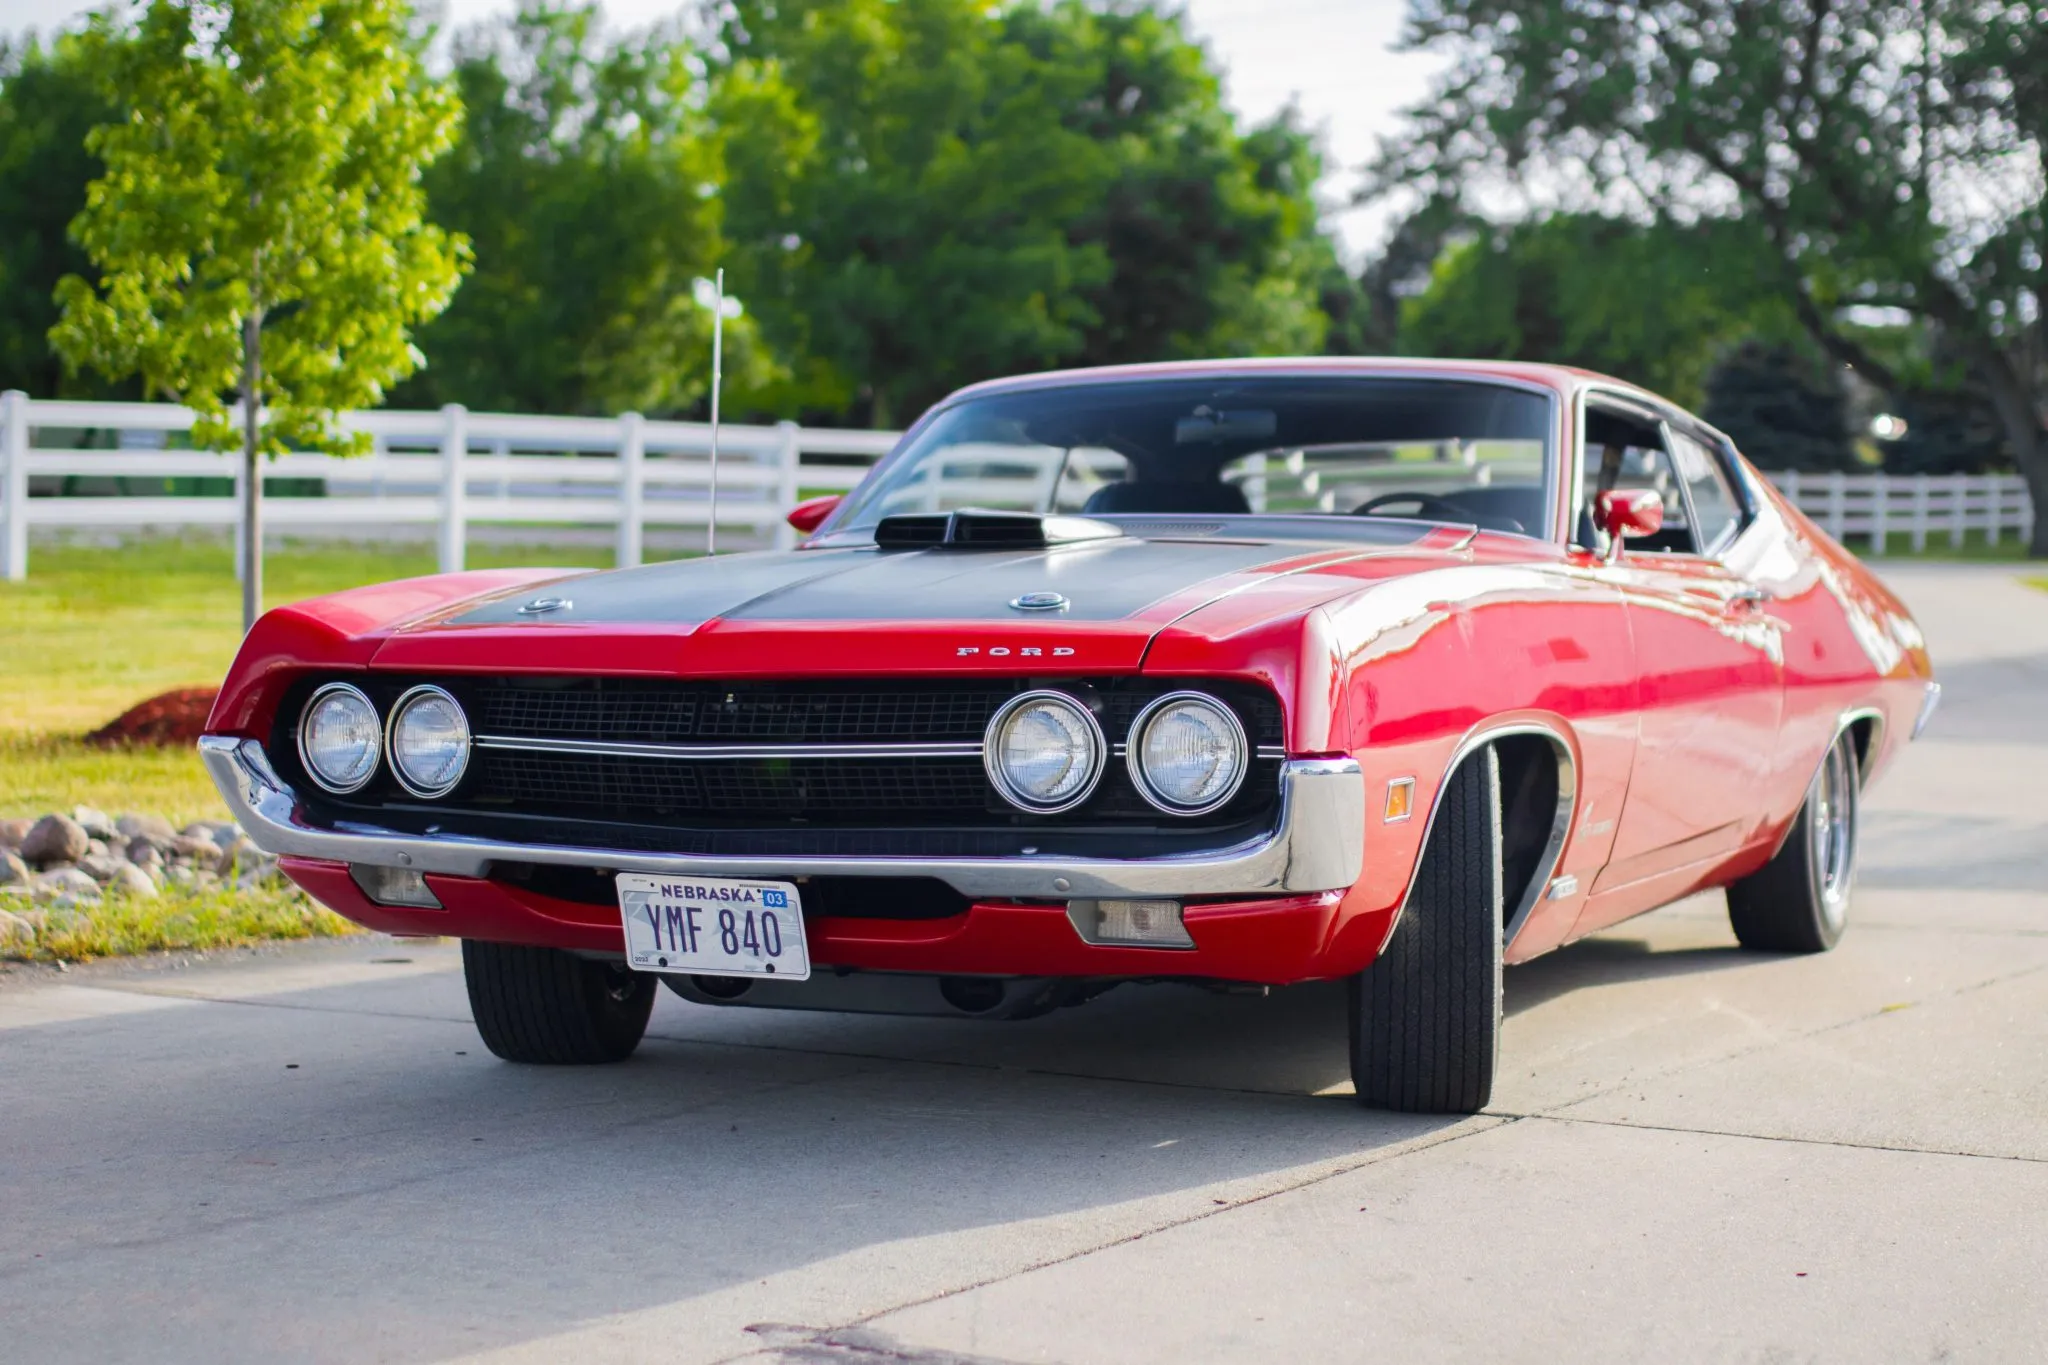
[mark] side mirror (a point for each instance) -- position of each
(808, 515)
(1629, 512)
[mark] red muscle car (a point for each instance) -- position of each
(1241, 673)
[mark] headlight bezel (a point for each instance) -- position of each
(991, 751)
(300, 732)
(411, 698)
(1134, 752)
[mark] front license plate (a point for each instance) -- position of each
(713, 926)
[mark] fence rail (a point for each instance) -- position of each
(453, 468)
(449, 469)
(1920, 506)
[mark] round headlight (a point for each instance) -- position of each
(338, 738)
(1187, 753)
(1044, 752)
(429, 742)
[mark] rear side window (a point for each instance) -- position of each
(1717, 515)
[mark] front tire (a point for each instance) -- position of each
(1425, 1017)
(1798, 902)
(545, 1006)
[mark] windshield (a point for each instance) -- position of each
(1428, 449)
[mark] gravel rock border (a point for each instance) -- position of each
(56, 870)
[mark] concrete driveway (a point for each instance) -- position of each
(1694, 1153)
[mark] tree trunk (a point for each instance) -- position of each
(252, 470)
(2020, 415)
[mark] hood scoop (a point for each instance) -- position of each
(978, 529)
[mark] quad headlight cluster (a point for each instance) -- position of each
(1045, 753)
(426, 740)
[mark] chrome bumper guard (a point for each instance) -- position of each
(1319, 846)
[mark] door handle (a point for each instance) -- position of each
(1749, 599)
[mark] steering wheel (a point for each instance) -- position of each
(1428, 507)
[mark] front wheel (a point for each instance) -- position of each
(547, 1006)
(1425, 1017)
(1798, 902)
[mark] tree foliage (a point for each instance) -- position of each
(1890, 151)
(922, 193)
(584, 177)
(1649, 305)
(258, 229)
(1783, 407)
(49, 100)
(267, 174)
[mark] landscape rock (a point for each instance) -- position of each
(13, 871)
(241, 853)
(15, 932)
(261, 873)
(12, 832)
(154, 828)
(54, 839)
(189, 848)
(217, 832)
(143, 852)
(96, 823)
(101, 867)
(130, 880)
(65, 883)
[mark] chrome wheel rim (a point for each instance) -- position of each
(1832, 827)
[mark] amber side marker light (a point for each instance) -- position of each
(1400, 800)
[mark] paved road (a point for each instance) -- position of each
(1694, 1154)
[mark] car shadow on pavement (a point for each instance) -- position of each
(1608, 961)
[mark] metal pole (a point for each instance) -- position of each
(717, 368)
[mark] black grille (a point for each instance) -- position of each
(653, 788)
(647, 712)
(702, 802)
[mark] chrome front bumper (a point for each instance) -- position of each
(1319, 845)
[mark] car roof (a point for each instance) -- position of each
(1561, 379)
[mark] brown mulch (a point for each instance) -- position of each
(170, 718)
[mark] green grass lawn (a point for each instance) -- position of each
(94, 630)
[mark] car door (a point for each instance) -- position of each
(1710, 679)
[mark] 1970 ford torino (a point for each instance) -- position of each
(1233, 674)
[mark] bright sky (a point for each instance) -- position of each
(1332, 56)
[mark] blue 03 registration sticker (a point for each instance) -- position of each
(713, 926)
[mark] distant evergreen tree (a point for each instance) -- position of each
(1948, 432)
(1782, 409)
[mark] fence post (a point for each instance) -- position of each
(1838, 510)
(454, 486)
(1958, 508)
(2027, 509)
(1788, 484)
(1994, 509)
(1919, 513)
(632, 485)
(14, 485)
(788, 462)
(1880, 515)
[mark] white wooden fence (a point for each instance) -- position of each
(453, 468)
(1879, 506)
(449, 469)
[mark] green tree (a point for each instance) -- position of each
(581, 179)
(258, 231)
(1650, 304)
(923, 193)
(1889, 151)
(1782, 407)
(49, 101)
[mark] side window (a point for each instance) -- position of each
(1714, 505)
(1627, 452)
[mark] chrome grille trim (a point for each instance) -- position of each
(635, 749)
